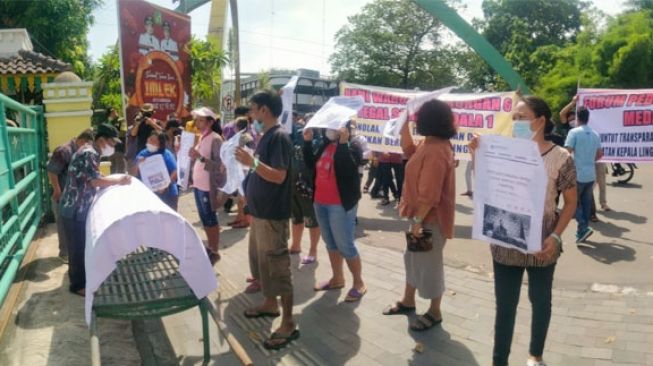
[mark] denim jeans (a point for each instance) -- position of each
(338, 228)
(584, 205)
(507, 285)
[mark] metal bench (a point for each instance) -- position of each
(145, 284)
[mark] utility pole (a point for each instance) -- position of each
(236, 50)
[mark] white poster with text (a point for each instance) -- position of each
(509, 192)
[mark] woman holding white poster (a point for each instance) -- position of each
(428, 200)
(156, 145)
(532, 120)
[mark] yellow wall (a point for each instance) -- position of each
(67, 110)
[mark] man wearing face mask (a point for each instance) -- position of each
(208, 176)
(585, 144)
(83, 180)
(268, 194)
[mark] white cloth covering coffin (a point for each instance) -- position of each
(121, 219)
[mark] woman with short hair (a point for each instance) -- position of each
(428, 200)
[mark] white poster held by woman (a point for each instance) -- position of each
(509, 192)
(336, 112)
(154, 173)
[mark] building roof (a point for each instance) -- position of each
(30, 62)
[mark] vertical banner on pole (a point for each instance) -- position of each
(155, 66)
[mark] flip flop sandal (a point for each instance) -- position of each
(277, 336)
(214, 257)
(398, 308)
(260, 314)
(309, 259)
(326, 286)
(424, 322)
(355, 295)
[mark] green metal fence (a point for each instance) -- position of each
(23, 184)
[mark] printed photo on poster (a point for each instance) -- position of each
(155, 67)
(509, 227)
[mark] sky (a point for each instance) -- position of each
(281, 34)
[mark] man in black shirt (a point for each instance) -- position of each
(268, 194)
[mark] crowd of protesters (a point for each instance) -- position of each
(313, 178)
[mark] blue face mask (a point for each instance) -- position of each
(258, 126)
(521, 129)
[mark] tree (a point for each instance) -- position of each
(107, 90)
(620, 56)
(58, 28)
(206, 60)
(518, 29)
(392, 43)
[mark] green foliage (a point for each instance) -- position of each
(107, 90)
(58, 28)
(206, 60)
(517, 29)
(392, 43)
(264, 81)
(621, 56)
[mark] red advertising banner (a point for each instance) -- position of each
(155, 67)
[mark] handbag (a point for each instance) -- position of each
(423, 243)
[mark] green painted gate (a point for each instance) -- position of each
(23, 184)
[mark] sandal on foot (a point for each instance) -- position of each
(272, 344)
(250, 279)
(309, 259)
(355, 294)
(398, 308)
(424, 322)
(253, 313)
(253, 287)
(327, 286)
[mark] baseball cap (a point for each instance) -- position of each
(108, 131)
(204, 112)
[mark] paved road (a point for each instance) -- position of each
(619, 253)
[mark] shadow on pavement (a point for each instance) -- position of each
(44, 265)
(462, 209)
(625, 216)
(610, 230)
(607, 253)
(303, 278)
(440, 349)
(626, 186)
(330, 328)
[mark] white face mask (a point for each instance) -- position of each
(521, 129)
(108, 150)
(332, 135)
(151, 148)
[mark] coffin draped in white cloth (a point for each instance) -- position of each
(121, 219)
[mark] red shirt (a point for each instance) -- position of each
(326, 186)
